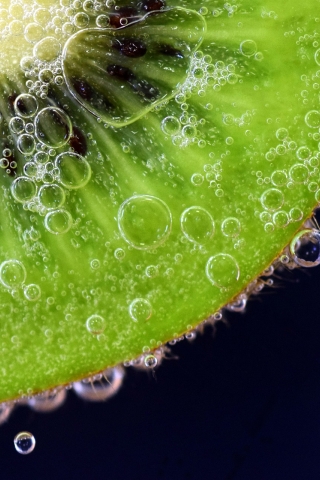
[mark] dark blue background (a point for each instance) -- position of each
(241, 404)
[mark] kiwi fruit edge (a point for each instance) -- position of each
(156, 159)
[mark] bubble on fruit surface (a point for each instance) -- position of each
(24, 443)
(152, 271)
(150, 361)
(53, 127)
(47, 49)
(279, 178)
(280, 219)
(303, 153)
(12, 274)
(305, 248)
(102, 386)
(26, 144)
(51, 196)
(312, 119)
(25, 105)
(16, 125)
(272, 199)
(95, 264)
(170, 125)
(47, 401)
(119, 253)
(96, 324)
(317, 56)
(74, 170)
(32, 292)
(23, 189)
(222, 270)
(197, 179)
(58, 221)
(248, 48)
(140, 310)
(231, 227)
(295, 214)
(299, 173)
(144, 221)
(197, 225)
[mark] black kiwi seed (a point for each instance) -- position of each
(170, 51)
(122, 73)
(11, 100)
(78, 141)
(152, 5)
(83, 88)
(131, 47)
(128, 13)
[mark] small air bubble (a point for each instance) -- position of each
(24, 443)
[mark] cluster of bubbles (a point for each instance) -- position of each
(47, 174)
(212, 175)
(305, 171)
(13, 277)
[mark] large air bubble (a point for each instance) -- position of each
(120, 74)
(144, 221)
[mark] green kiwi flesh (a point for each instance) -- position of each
(161, 156)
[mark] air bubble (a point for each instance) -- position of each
(58, 221)
(144, 221)
(25, 105)
(295, 214)
(51, 196)
(16, 125)
(197, 179)
(299, 173)
(53, 127)
(197, 225)
(23, 189)
(222, 270)
(81, 20)
(47, 401)
(312, 119)
(231, 227)
(140, 310)
(279, 178)
(280, 219)
(33, 32)
(305, 248)
(32, 292)
(152, 271)
(170, 125)
(317, 56)
(105, 386)
(272, 199)
(95, 264)
(248, 48)
(26, 144)
(24, 443)
(119, 254)
(74, 170)
(150, 361)
(96, 324)
(12, 274)
(47, 49)
(303, 153)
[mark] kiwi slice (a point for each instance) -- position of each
(156, 158)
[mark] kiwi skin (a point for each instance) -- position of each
(86, 283)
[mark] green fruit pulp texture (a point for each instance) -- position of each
(200, 166)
